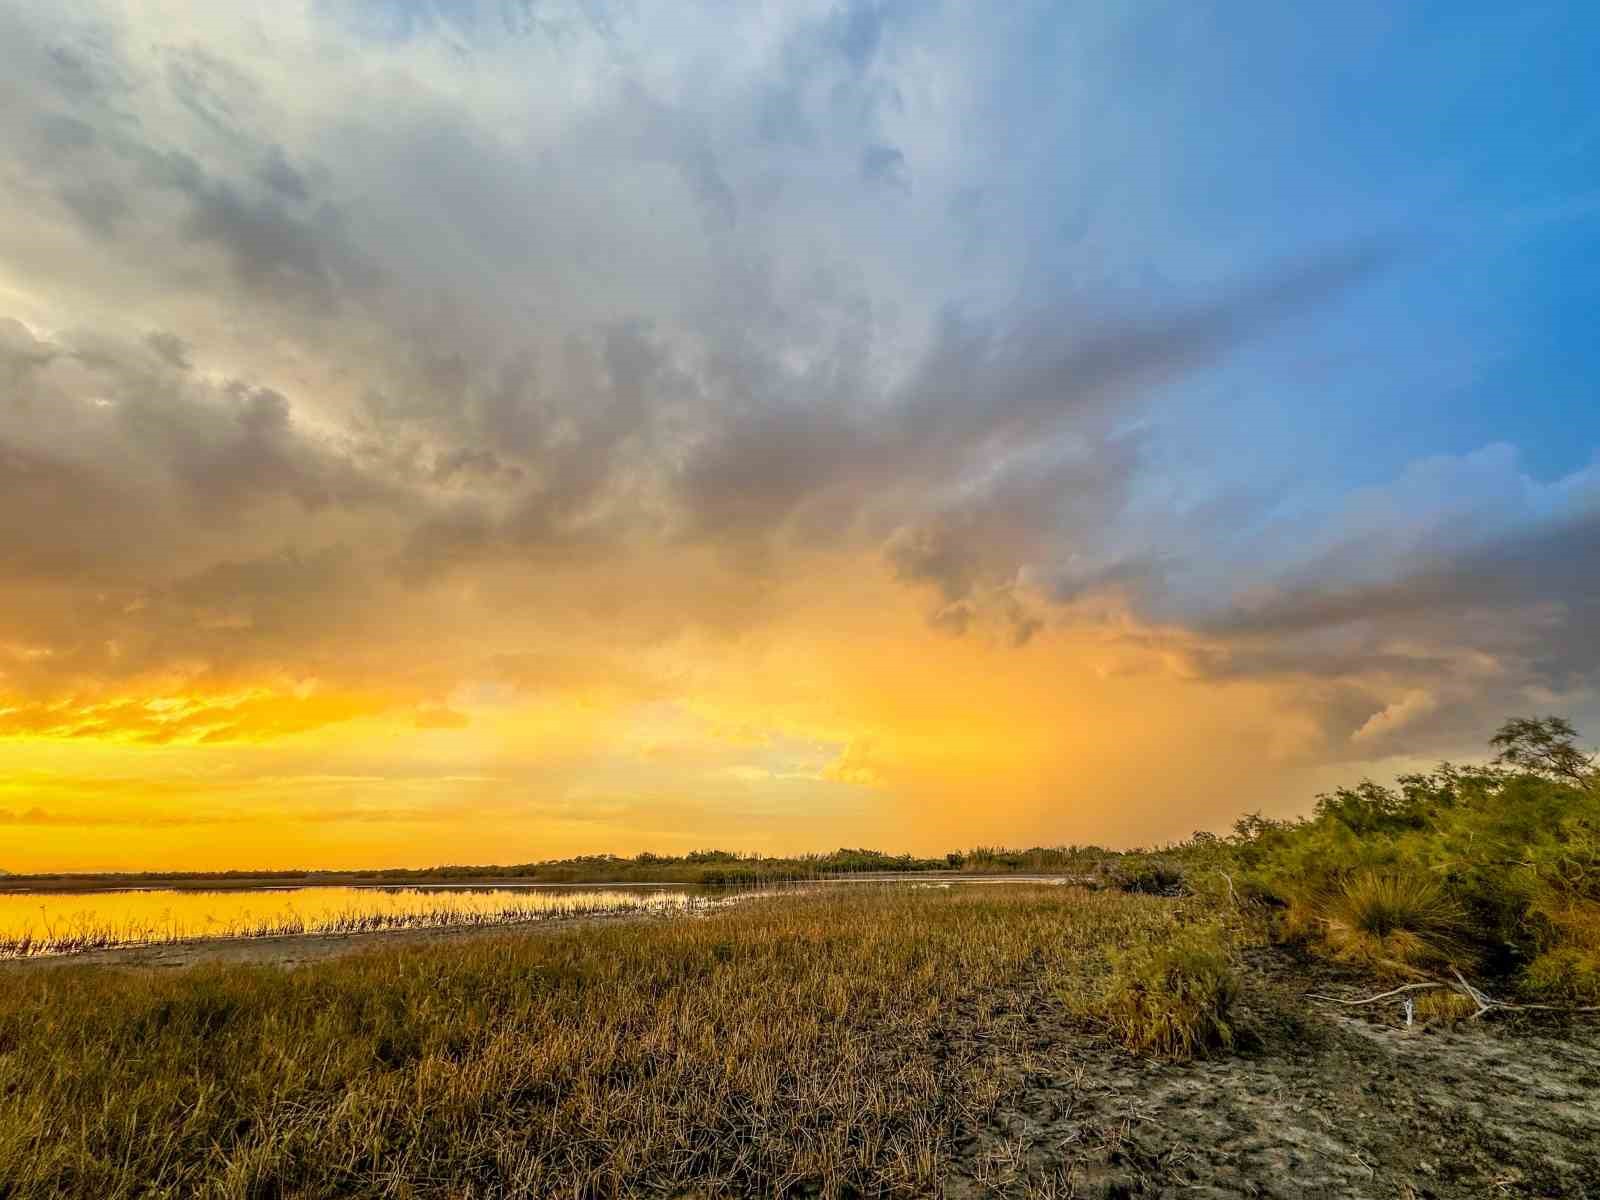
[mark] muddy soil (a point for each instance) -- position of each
(1318, 1101)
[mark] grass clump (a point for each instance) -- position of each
(1392, 921)
(1564, 975)
(1172, 997)
(1442, 1007)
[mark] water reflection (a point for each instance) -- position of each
(45, 923)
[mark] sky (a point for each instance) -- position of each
(493, 430)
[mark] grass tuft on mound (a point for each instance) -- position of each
(1391, 921)
(1172, 998)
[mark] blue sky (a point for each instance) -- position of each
(1468, 133)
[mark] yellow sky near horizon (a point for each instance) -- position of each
(844, 718)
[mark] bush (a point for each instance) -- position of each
(1392, 921)
(1172, 999)
(1147, 875)
(1564, 975)
(1496, 865)
(1567, 969)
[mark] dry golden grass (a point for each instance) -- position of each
(829, 1044)
(1443, 1007)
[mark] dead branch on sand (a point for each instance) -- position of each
(1486, 1003)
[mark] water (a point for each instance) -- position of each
(35, 923)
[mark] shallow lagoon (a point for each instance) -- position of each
(40, 923)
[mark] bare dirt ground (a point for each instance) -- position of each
(1316, 1102)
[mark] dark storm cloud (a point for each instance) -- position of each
(474, 464)
(765, 458)
(99, 204)
(294, 257)
(280, 176)
(972, 440)
(288, 591)
(63, 520)
(997, 451)
(115, 461)
(1555, 566)
(884, 165)
(173, 350)
(462, 536)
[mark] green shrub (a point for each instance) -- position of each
(1496, 866)
(1147, 875)
(1172, 998)
(1567, 969)
(1564, 975)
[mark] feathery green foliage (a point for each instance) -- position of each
(1496, 865)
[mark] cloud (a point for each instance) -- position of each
(40, 816)
(330, 351)
(1396, 716)
(189, 717)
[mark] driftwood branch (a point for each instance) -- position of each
(1232, 895)
(1410, 987)
(1486, 1004)
(1471, 993)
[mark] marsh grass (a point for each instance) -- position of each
(825, 1044)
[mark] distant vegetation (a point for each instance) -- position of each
(711, 868)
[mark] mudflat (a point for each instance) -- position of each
(1316, 1101)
